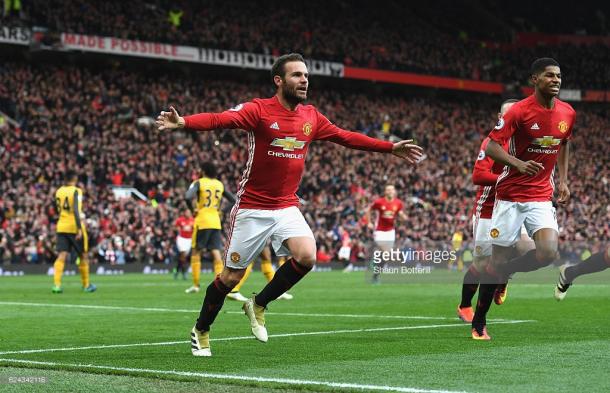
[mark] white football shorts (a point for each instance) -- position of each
(509, 216)
(183, 244)
(251, 228)
(481, 228)
(344, 253)
(384, 239)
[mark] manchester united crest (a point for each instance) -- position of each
(307, 129)
(494, 233)
(563, 126)
(235, 257)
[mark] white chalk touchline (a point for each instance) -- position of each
(341, 385)
(156, 309)
(318, 333)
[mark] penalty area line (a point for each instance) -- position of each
(285, 381)
(318, 333)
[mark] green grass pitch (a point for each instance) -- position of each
(338, 334)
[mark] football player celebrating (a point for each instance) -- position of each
(538, 130)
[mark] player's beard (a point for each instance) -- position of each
(291, 96)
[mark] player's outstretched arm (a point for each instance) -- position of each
(355, 140)
(408, 151)
(169, 120)
(243, 116)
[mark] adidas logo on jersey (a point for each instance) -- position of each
(274, 126)
(535, 127)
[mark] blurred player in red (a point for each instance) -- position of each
(537, 129)
(484, 175)
(184, 225)
(386, 209)
(279, 131)
(345, 251)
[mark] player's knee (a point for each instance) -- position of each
(480, 263)
(231, 282)
(307, 259)
(523, 246)
(231, 277)
(546, 256)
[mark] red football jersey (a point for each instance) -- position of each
(533, 133)
(485, 175)
(185, 226)
(387, 213)
(278, 140)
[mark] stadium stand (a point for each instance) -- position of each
(391, 35)
(96, 119)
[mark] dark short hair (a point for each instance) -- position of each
(278, 66)
(70, 174)
(508, 101)
(209, 170)
(539, 65)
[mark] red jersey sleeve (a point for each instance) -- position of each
(506, 127)
(482, 174)
(243, 116)
(327, 131)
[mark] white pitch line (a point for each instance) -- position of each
(297, 314)
(156, 309)
(340, 385)
(318, 333)
(98, 307)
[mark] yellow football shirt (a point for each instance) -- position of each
(209, 196)
(68, 200)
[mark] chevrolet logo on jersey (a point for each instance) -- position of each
(546, 141)
(288, 144)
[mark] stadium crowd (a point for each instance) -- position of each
(99, 121)
(388, 35)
